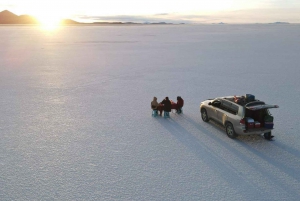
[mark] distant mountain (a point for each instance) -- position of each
(7, 17)
(219, 23)
(280, 23)
(160, 23)
(68, 21)
(27, 19)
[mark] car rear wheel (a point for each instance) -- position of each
(230, 131)
(204, 115)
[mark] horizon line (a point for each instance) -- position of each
(138, 20)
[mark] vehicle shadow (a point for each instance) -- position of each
(266, 154)
(206, 154)
(290, 150)
(275, 159)
(273, 152)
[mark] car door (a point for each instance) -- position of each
(215, 109)
(227, 111)
(221, 112)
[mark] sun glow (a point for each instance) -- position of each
(48, 14)
(49, 22)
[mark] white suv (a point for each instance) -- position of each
(239, 115)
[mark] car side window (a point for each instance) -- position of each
(229, 107)
(216, 103)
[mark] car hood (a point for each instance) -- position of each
(206, 101)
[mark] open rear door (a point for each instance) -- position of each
(260, 106)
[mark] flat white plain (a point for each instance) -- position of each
(76, 121)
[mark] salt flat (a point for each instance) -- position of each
(76, 121)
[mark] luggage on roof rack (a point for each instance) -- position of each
(250, 98)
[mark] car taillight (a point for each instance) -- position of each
(242, 121)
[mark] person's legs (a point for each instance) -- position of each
(179, 110)
(160, 109)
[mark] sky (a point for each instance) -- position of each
(180, 11)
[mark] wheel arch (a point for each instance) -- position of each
(227, 122)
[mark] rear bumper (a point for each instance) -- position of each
(253, 131)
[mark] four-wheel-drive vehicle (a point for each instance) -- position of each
(240, 115)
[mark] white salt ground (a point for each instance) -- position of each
(76, 121)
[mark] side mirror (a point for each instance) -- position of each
(209, 103)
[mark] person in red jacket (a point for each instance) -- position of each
(180, 103)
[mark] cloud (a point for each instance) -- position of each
(156, 18)
(168, 18)
(236, 16)
(6, 6)
(262, 15)
(162, 14)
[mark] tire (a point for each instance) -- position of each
(204, 115)
(230, 130)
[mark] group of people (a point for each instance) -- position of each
(166, 105)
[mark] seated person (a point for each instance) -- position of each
(166, 105)
(160, 108)
(180, 103)
(154, 104)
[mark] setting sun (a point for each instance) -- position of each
(49, 22)
(48, 14)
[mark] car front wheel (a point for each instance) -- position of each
(204, 115)
(230, 131)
